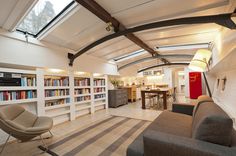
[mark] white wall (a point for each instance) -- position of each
(224, 65)
(40, 54)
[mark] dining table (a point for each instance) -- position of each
(159, 91)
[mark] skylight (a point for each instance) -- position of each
(42, 14)
(183, 47)
(130, 55)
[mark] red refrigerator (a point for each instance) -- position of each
(195, 84)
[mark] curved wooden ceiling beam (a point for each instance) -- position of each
(150, 58)
(221, 19)
(161, 65)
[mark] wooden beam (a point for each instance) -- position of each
(151, 58)
(101, 13)
(161, 65)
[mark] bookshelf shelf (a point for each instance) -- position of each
(99, 99)
(82, 108)
(99, 93)
(58, 113)
(100, 104)
(56, 87)
(82, 102)
(99, 86)
(57, 97)
(79, 95)
(17, 88)
(57, 106)
(9, 102)
(81, 87)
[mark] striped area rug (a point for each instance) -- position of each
(110, 136)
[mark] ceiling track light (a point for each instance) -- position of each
(110, 27)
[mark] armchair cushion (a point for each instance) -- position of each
(10, 112)
(25, 119)
(41, 124)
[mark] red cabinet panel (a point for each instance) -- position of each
(195, 84)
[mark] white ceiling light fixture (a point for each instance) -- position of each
(97, 74)
(130, 55)
(200, 60)
(183, 47)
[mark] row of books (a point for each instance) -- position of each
(82, 82)
(28, 81)
(58, 92)
(17, 95)
(82, 91)
(99, 82)
(83, 98)
(97, 90)
(99, 96)
(57, 102)
(56, 82)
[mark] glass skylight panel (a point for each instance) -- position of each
(183, 47)
(41, 14)
(130, 55)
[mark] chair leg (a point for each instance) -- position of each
(44, 144)
(5, 144)
(50, 133)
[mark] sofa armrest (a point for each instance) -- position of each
(163, 144)
(183, 108)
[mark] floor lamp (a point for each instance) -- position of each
(200, 63)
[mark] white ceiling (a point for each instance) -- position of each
(82, 28)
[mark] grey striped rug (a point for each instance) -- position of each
(110, 136)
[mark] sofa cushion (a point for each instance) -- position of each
(173, 123)
(200, 100)
(212, 124)
(168, 122)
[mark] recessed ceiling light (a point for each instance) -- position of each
(53, 70)
(97, 74)
(79, 73)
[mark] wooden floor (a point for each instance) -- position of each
(132, 110)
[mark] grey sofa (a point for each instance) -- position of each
(208, 132)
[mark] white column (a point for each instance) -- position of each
(106, 83)
(92, 94)
(72, 103)
(40, 92)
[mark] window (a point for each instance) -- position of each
(42, 15)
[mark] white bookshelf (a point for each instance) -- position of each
(100, 93)
(57, 96)
(60, 112)
(82, 94)
(26, 93)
